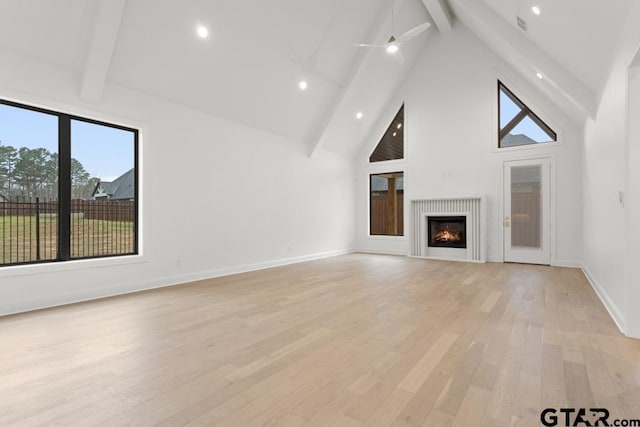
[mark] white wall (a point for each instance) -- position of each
(217, 197)
(604, 177)
(633, 205)
(611, 162)
(450, 110)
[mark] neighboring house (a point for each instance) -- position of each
(516, 140)
(122, 188)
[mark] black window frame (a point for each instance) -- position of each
(64, 184)
(524, 113)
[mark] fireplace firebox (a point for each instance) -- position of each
(447, 231)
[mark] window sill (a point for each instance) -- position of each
(376, 237)
(75, 265)
(527, 147)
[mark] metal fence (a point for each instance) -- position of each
(29, 229)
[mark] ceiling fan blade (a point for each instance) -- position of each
(369, 45)
(413, 32)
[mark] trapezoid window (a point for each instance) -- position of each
(518, 124)
(391, 146)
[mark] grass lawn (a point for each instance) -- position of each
(89, 237)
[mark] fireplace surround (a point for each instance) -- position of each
(452, 244)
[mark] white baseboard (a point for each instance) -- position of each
(162, 282)
(228, 271)
(567, 264)
(373, 252)
(434, 258)
(608, 303)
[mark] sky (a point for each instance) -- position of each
(104, 152)
(508, 110)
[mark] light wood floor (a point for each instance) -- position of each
(353, 340)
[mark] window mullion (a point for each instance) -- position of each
(513, 123)
(64, 188)
(546, 129)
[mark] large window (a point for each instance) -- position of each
(518, 124)
(68, 187)
(386, 199)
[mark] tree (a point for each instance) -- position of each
(87, 190)
(31, 171)
(8, 160)
(51, 177)
(79, 179)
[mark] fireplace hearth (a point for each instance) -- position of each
(447, 231)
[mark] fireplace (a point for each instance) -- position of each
(473, 211)
(447, 231)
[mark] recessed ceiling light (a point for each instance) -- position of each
(392, 48)
(536, 10)
(359, 115)
(539, 75)
(202, 32)
(399, 125)
(395, 133)
(303, 85)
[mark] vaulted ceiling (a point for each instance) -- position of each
(249, 67)
(579, 34)
(49, 31)
(257, 52)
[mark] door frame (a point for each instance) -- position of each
(552, 237)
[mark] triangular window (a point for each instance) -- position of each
(391, 146)
(518, 124)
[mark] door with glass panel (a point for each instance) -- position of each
(527, 211)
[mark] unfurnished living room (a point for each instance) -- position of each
(319, 213)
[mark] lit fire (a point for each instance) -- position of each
(447, 235)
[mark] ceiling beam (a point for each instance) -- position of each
(441, 15)
(524, 55)
(356, 67)
(99, 49)
(374, 77)
(635, 62)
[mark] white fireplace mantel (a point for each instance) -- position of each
(473, 208)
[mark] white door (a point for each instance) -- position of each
(527, 211)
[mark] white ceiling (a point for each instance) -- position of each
(49, 31)
(579, 34)
(377, 89)
(249, 68)
(257, 52)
